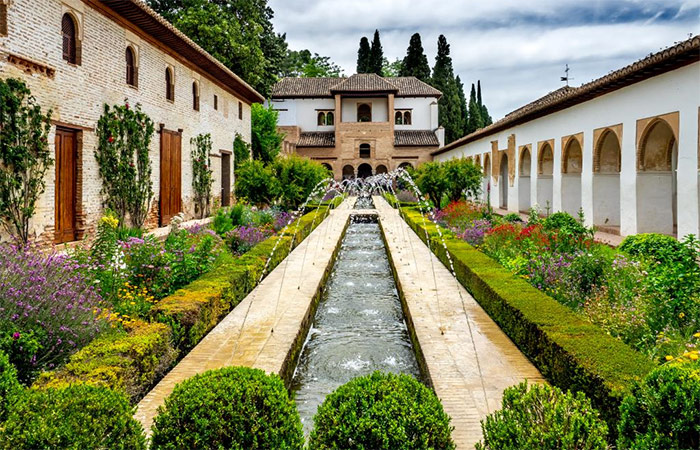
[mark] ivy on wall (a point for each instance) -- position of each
(201, 174)
(124, 135)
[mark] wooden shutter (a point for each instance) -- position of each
(69, 39)
(130, 67)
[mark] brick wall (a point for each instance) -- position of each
(76, 95)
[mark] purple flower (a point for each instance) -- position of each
(16, 335)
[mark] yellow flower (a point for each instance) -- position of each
(693, 356)
(697, 335)
(669, 358)
(681, 315)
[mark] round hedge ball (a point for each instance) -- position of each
(230, 408)
(382, 411)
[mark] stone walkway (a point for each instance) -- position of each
(469, 359)
(282, 301)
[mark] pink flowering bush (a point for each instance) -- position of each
(48, 309)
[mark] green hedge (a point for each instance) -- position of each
(569, 350)
(195, 309)
(128, 362)
(133, 362)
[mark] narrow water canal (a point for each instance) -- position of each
(359, 325)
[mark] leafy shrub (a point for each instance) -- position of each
(543, 417)
(431, 180)
(297, 176)
(562, 221)
(464, 178)
(77, 417)
(234, 407)
(660, 247)
(663, 411)
(266, 140)
(381, 411)
(202, 175)
(243, 238)
(512, 218)
(241, 151)
(49, 309)
(10, 388)
(256, 183)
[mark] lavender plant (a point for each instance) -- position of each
(48, 308)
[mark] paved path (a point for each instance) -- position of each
(473, 361)
(282, 302)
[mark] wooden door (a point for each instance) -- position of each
(225, 179)
(170, 175)
(66, 185)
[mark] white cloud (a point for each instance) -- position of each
(517, 48)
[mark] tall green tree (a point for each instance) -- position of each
(266, 140)
(463, 106)
(485, 117)
(449, 109)
(474, 122)
(363, 56)
(303, 64)
(376, 55)
(415, 63)
(239, 33)
(391, 69)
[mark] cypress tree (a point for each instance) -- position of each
(376, 55)
(484, 111)
(474, 122)
(463, 106)
(449, 109)
(415, 64)
(363, 55)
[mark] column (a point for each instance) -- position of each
(628, 178)
(587, 177)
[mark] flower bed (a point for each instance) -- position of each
(134, 361)
(568, 349)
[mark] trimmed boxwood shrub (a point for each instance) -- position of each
(570, 351)
(10, 388)
(381, 411)
(663, 411)
(230, 408)
(77, 417)
(543, 417)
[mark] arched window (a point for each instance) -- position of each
(407, 118)
(131, 73)
(398, 118)
(70, 39)
(364, 112)
(195, 96)
(365, 151)
(169, 85)
(321, 118)
(330, 118)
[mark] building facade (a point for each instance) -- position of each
(76, 56)
(361, 125)
(624, 148)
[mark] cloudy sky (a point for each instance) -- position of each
(517, 48)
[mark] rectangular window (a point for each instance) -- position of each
(216, 102)
(240, 111)
(3, 19)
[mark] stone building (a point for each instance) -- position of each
(76, 56)
(624, 148)
(361, 125)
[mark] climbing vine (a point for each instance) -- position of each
(24, 156)
(124, 135)
(201, 173)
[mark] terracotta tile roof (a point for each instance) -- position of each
(679, 55)
(415, 138)
(358, 83)
(151, 23)
(316, 139)
(413, 87)
(365, 82)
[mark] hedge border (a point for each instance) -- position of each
(135, 361)
(570, 351)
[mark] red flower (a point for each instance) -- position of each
(127, 106)
(111, 139)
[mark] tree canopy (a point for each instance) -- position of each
(363, 56)
(266, 140)
(376, 55)
(449, 108)
(303, 64)
(415, 63)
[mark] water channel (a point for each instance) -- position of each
(359, 325)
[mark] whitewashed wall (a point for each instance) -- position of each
(675, 91)
(303, 112)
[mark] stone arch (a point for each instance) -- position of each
(348, 172)
(328, 167)
(321, 118)
(503, 182)
(381, 168)
(657, 210)
(364, 171)
(571, 168)
(486, 182)
(524, 169)
(606, 179)
(545, 171)
(364, 112)
(405, 165)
